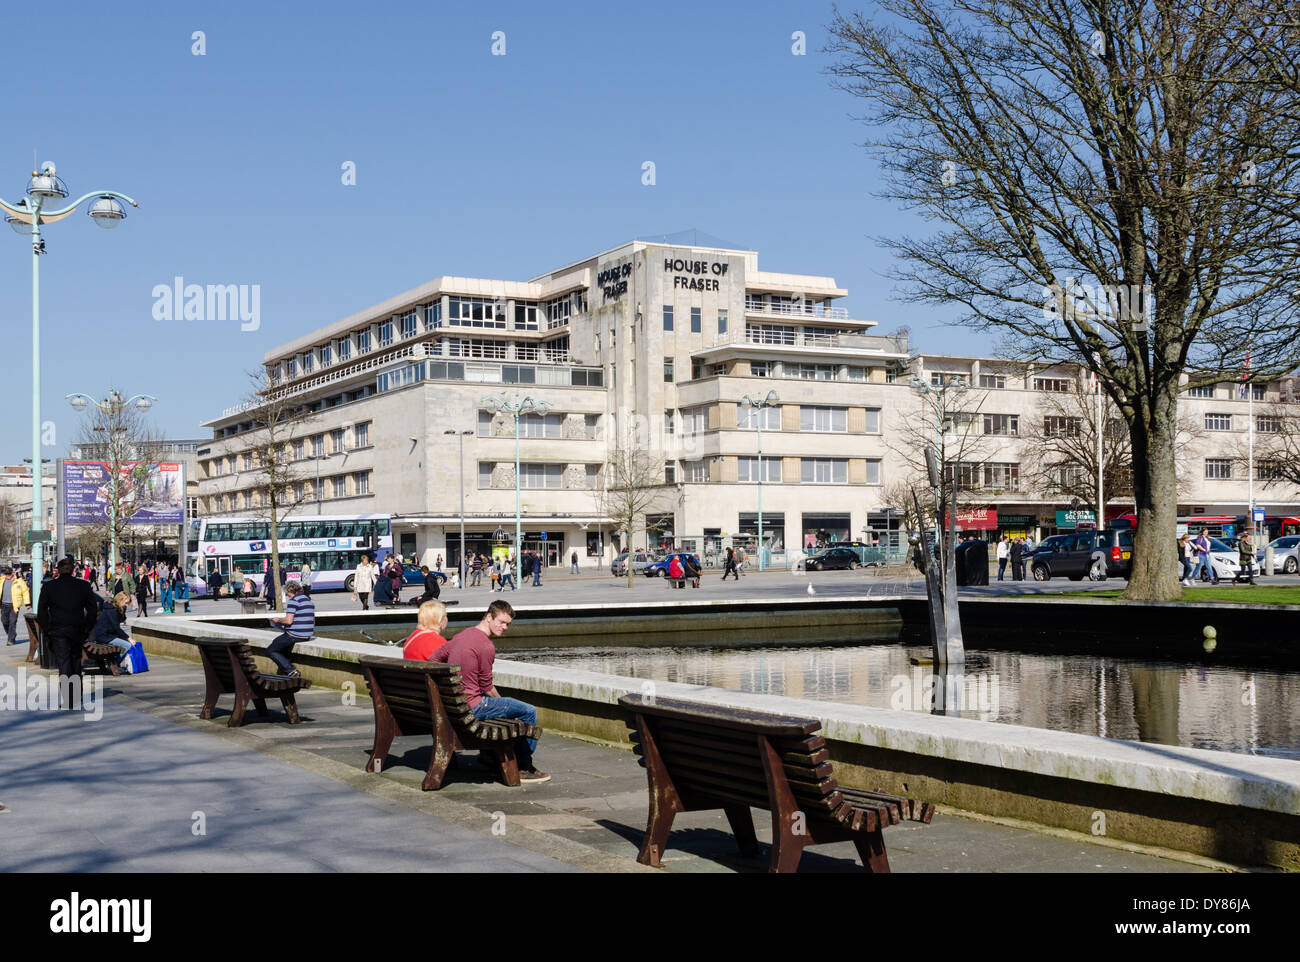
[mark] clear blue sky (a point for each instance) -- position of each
(466, 163)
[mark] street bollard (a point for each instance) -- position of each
(1268, 559)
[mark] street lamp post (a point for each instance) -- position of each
(516, 406)
(460, 562)
(26, 217)
(113, 406)
(768, 400)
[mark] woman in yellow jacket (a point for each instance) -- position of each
(13, 596)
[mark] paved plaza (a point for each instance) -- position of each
(129, 792)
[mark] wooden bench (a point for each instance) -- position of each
(104, 657)
(229, 668)
(700, 757)
(33, 635)
(425, 698)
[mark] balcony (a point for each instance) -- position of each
(756, 305)
(858, 343)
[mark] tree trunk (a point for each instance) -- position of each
(1155, 575)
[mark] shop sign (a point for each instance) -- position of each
(979, 519)
(1071, 519)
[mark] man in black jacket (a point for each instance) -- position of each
(66, 615)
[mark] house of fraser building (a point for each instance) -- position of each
(656, 346)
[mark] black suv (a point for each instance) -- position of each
(1096, 555)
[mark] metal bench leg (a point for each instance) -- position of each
(742, 826)
(871, 849)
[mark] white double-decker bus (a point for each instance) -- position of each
(332, 544)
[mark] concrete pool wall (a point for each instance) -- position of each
(1237, 808)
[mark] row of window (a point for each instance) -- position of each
(811, 471)
(316, 489)
(1264, 423)
(539, 475)
(1221, 469)
(298, 450)
(697, 320)
(1063, 385)
(532, 425)
(793, 370)
(1209, 390)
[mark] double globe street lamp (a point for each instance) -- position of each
(45, 191)
(113, 406)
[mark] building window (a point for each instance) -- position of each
(298, 450)
(344, 348)
(668, 317)
(541, 425)
(695, 420)
(526, 315)
(433, 316)
(1205, 390)
(873, 421)
(336, 441)
(857, 374)
(1062, 427)
(824, 471)
(591, 476)
(361, 435)
(1003, 424)
(591, 426)
(834, 420)
(363, 341)
(476, 312)
(940, 378)
(410, 324)
(362, 481)
(996, 381)
(670, 473)
(326, 354)
(697, 472)
(1218, 469)
(557, 351)
(307, 362)
(318, 489)
(1269, 471)
(1001, 477)
(541, 475)
(317, 445)
(1266, 424)
(760, 368)
(1258, 391)
(695, 320)
(722, 322)
(668, 369)
(668, 423)
(340, 485)
(751, 418)
(747, 470)
(873, 470)
(1218, 422)
(485, 473)
(292, 367)
(1057, 385)
(811, 372)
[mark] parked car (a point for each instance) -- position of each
(1286, 554)
(412, 575)
(639, 561)
(659, 569)
(833, 558)
(1224, 558)
(1096, 555)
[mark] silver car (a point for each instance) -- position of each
(1286, 554)
(619, 568)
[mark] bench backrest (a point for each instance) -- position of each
(733, 755)
(409, 688)
(217, 651)
(33, 627)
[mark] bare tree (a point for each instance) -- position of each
(1115, 185)
(1277, 446)
(632, 486)
(1060, 450)
(117, 434)
(278, 420)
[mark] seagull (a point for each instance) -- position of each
(810, 589)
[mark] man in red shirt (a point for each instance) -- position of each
(427, 637)
(473, 651)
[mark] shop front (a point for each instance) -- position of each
(820, 530)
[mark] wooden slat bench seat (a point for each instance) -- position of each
(425, 698)
(229, 668)
(700, 757)
(104, 657)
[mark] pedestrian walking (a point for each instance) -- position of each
(508, 573)
(437, 565)
(165, 588)
(729, 565)
(363, 581)
(573, 563)
(1246, 558)
(304, 578)
(537, 570)
(476, 571)
(13, 596)
(1203, 557)
(1004, 555)
(1185, 555)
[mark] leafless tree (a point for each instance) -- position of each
(632, 486)
(1114, 185)
(278, 420)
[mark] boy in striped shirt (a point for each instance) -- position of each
(299, 622)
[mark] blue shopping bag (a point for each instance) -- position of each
(139, 663)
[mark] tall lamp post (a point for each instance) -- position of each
(767, 401)
(44, 191)
(516, 406)
(113, 406)
(460, 562)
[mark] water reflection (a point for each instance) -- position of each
(1199, 707)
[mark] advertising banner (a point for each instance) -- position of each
(1070, 519)
(977, 519)
(149, 492)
